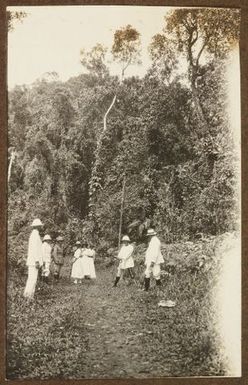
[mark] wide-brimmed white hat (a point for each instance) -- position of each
(78, 243)
(125, 238)
(151, 232)
(47, 238)
(36, 222)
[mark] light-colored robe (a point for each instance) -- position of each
(77, 270)
(85, 262)
(90, 263)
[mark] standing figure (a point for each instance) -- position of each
(126, 259)
(85, 260)
(91, 259)
(34, 259)
(153, 259)
(46, 256)
(77, 270)
(58, 256)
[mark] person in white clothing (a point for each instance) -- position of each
(46, 256)
(153, 259)
(34, 259)
(126, 259)
(77, 271)
(85, 261)
(91, 259)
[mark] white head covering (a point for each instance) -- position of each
(36, 222)
(151, 232)
(125, 238)
(47, 238)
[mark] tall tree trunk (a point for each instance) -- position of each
(196, 99)
(193, 73)
(63, 195)
(12, 157)
(108, 111)
(95, 180)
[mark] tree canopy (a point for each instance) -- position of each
(171, 137)
(126, 47)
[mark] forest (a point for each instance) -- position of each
(163, 156)
(100, 156)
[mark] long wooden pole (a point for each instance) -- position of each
(122, 207)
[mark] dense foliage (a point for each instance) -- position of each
(167, 134)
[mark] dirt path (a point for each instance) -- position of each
(118, 333)
(93, 330)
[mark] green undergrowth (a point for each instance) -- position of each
(56, 335)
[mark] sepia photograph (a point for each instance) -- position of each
(124, 192)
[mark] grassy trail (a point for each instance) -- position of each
(93, 330)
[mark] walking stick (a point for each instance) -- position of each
(122, 206)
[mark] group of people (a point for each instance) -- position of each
(42, 254)
(83, 262)
(45, 256)
(51, 253)
(153, 259)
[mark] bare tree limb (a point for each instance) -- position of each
(12, 157)
(195, 39)
(125, 67)
(201, 50)
(108, 111)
